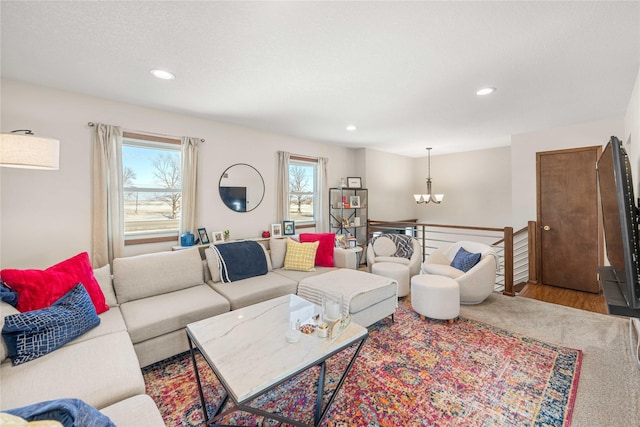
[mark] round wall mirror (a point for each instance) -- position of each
(241, 187)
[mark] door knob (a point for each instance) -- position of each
(546, 228)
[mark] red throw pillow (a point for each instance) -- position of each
(324, 254)
(40, 288)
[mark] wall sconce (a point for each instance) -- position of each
(29, 151)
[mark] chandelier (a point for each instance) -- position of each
(429, 197)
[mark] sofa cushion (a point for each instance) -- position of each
(135, 411)
(105, 280)
(33, 334)
(109, 361)
(324, 254)
(150, 317)
(40, 288)
(255, 289)
(278, 250)
(110, 321)
(300, 256)
(147, 275)
(464, 260)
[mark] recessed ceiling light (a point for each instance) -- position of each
(352, 128)
(485, 91)
(162, 74)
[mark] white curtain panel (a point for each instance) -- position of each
(322, 220)
(282, 190)
(107, 239)
(189, 184)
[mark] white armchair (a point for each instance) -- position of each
(477, 283)
(384, 248)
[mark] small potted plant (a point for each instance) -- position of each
(226, 235)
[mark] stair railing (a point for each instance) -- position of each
(513, 249)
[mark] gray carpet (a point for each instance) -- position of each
(609, 385)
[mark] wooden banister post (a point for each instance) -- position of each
(508, 262)
(532, 248)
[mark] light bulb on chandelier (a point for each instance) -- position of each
(429, 196)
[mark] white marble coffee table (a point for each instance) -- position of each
(247, 351)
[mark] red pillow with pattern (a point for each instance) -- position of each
(40, 288)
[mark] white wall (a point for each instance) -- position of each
(632, 133)
(476, 187)
(389, 178)
(523, 158)
(46, 215)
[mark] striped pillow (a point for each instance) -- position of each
(300, 256)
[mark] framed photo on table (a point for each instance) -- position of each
(276, 230)
(354, 182)
(218, 237)
(204, 237)
(289, 228)
(341, 241)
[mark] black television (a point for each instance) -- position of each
(620, 220)
(234, 197)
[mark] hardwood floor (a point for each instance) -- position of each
(567, 297)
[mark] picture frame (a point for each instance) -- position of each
(341, 241)
(218, 237)
(276, 230)
(204, 237)
(289, 228)
(354, 182)
(354, 201)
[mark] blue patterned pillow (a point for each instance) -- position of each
(33, 334)
(465, 260)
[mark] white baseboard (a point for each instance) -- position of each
(634, 339)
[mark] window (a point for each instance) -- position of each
(151, 193)
(303, 190)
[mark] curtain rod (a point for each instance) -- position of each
(91, 124)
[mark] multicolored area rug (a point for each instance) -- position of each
(409, 373)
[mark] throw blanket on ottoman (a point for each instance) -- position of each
(240, 260)
(345, 282)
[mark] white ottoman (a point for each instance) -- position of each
(396, 271)
(436, 297)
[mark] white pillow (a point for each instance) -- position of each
(212, 262)
(278, 248)
(103, 276)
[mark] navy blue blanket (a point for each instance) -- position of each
(69, 412)
(240, 260)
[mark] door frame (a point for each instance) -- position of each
(538, 233)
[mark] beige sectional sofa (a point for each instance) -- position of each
(99, 367)
(152, 298)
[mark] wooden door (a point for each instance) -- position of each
(568, 218)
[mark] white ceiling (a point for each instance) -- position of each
(405, 73)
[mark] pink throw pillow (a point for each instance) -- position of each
(324, 254)
(40, 288)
